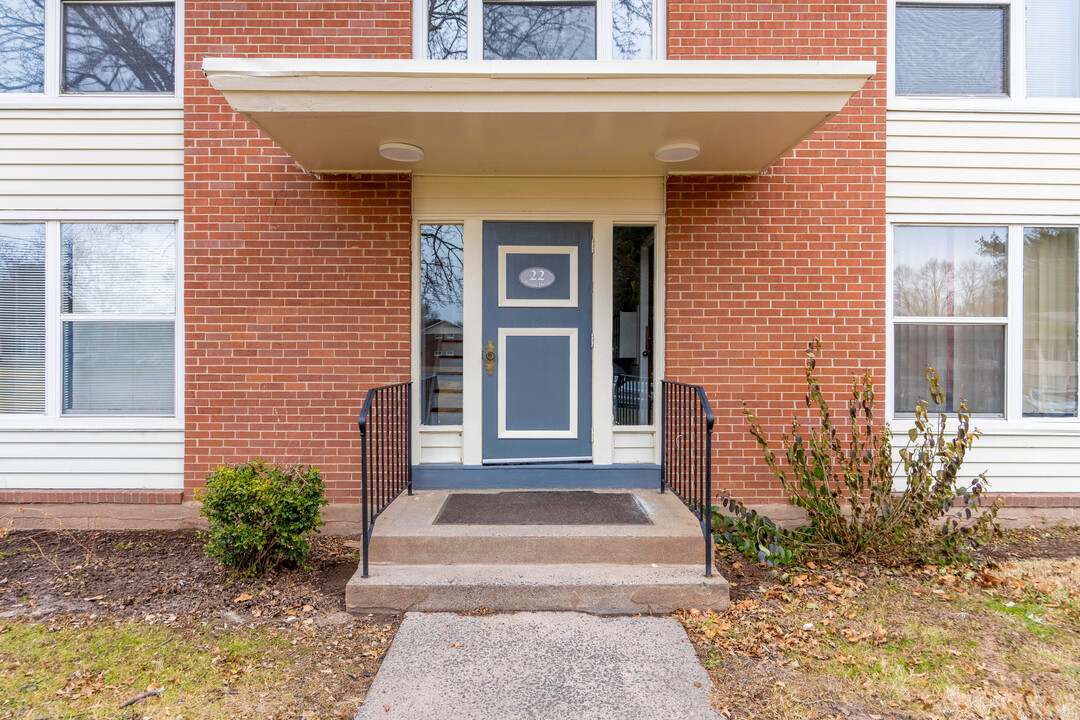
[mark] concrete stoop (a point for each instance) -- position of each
(417, 565)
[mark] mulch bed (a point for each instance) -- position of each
(163, 572)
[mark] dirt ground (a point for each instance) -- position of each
(866, 641)
(823, 640)
(163, 580)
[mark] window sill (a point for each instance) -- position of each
(996, 426)
(14, 423)
(1069, 106)
(91, 102)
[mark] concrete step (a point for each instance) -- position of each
(601, 589)
(405, 534)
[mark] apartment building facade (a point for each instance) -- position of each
(222, 223)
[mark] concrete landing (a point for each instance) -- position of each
(603, 589)
(418, 565)
(539, 665)
(406, 534)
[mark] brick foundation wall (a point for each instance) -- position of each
(296, 296)
(90, 496)
(756, 267)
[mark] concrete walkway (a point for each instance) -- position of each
(444, 666)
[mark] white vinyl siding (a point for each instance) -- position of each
(91, 459)
(1042, 460)
(983, 165)
(91, 159)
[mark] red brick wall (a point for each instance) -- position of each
(296, 294)
(756, 267)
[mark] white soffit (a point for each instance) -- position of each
(536, 118)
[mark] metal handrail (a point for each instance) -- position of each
(385, 424)
(686, 424)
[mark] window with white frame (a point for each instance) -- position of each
(993, 309)
(950, 48)
(79, 47)
(106, 345)
(540, 29)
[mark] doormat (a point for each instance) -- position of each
(542, 507)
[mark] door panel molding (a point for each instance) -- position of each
(572, 333)
(571, 301)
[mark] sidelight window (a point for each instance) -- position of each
(633, 307)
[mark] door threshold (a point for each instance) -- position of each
(538, 461)
(533, 476)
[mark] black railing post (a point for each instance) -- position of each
(408, 436)
(663, 435)
(686, 418)
(385, 453)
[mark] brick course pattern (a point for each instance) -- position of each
(296, 296)
(758, 266)
(93, 497)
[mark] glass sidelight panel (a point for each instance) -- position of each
(1050, 305)
(22, 46)
(22, 318)
(632, 324)
(448, 22)
(441, 320)
(632, 29)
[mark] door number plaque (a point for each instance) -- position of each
(536, 278)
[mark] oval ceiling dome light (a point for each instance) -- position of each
(677, 152)
(401, 152)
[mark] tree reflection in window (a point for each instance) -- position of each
(118, 47)
(632, 22)
(441, 320)
(22, 46)
(448, 29)
(540, 31)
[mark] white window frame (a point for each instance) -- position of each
(53, 417)
(1015, 101)
(1013, 420)
(53, 97)
(475, 22)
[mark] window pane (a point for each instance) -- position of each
(1050, 287)
(441, 313)
(118, 47)
(540, 31)
(969, 360)
(22, 318)
(632, 29)
(951, 50)
(22, 46)
(632, 323)
(447, 29)
(1053, 48)
(949, 271)
(119, 267)
(118, 368)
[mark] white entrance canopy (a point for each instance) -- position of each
(537, 117)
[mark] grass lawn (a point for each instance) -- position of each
(90, 621)
(867, 641)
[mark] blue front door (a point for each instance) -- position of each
(537, 339)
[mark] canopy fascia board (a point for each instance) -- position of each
(536, 117)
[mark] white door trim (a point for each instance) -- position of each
(606, 202)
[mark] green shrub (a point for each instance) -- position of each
(261, 515)
(755, 535)
(844, 479)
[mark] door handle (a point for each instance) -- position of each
(489, 358)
